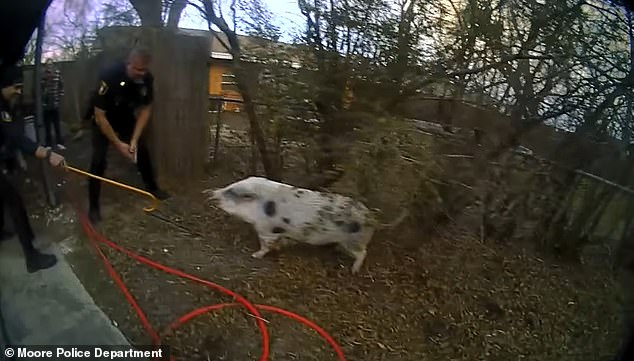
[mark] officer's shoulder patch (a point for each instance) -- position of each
(6, 117)
(103, 87)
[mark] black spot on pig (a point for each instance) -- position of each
(353, 227)
(278, 230)
(269, 208)
(286, 220)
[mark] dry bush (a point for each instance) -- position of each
(389, 163)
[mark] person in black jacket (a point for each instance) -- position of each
(12, 134)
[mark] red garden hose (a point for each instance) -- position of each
(97, 238)
(200, 311)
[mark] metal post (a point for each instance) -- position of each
(39, 112)
(218, 123)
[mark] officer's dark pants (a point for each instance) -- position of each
(11, 164)
(98, 164)
(626, 353)
(12, 201)
(51, 119)
(88, 118)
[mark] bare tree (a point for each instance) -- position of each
(176, 8)
(159, 13)
(214, 18)
(149, 11)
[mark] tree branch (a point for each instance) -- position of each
(176, 9)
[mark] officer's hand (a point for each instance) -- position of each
(133, 146)
(56, 160)
(133, 149)
(124, 149)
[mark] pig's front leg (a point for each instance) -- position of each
(266, 243)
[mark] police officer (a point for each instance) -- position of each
(12, 134)
(123, 103)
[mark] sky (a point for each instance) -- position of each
(286, 12)
(286, 15)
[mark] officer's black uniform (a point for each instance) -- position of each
(89, 111)
(120, 97)
(627, 351)
(11, 138)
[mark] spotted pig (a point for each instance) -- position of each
(281, 212)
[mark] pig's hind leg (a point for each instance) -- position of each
(356, 247)
(356, 250)
(267, 243)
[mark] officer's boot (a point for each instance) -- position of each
(5, 235)
(159, 193)
(36, 261)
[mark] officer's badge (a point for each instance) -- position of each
(6, 117)
(143, 91)
(103, 88)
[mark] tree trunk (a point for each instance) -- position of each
(149, 11)
(243, 87)
(256, 130)
(175, 12)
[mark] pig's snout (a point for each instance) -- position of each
(213, 195)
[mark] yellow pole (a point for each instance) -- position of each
(125, 186)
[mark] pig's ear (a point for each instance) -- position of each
(241, 193)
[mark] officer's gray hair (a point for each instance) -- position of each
(141, 52)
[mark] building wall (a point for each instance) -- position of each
(215, 77)
(220, 84)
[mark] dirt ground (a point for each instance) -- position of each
(450, 297)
